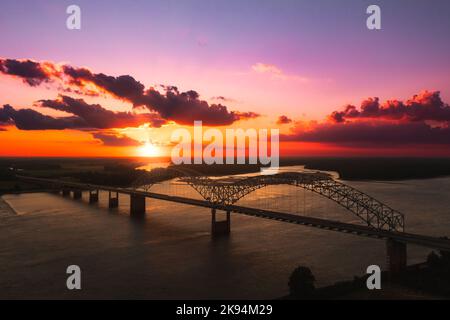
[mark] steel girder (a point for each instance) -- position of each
(148, 179)
(368, 209)
(365, 207)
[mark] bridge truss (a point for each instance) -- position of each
(228, 191)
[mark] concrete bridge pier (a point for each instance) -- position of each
(65, 192)
(76, 194)
(93, 196)
(113, 202)
(396, 256)
(220, 228)
(137, 205)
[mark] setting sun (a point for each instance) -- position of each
(149, 150)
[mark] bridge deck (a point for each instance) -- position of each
(361, 230)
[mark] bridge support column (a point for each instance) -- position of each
(113, 202)
(220, 228)
(93, 196)
(396, 256)
(137, 205)
(76, 194)
(65, 192)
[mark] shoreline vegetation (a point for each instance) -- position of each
(427, 280)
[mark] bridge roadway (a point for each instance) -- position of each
(425, 241)
(360, 230)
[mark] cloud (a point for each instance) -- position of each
(124, 87)
(266, 68)
(85, 116)
(28, 119)
(5, 114)
(275, 72)
(32, 73)
(222, 98)
(366, 133)
(246, 115)
(422, 120)
(112, 140)
(186, 107)
(283, 120)
(425, 106)
(181, 107)
(95, 116)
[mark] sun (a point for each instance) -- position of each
(149, 150)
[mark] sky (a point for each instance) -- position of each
(309, 68)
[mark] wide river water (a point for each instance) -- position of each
(171, 254)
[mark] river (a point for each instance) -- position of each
(170, 254)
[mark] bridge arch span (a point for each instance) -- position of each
(148, 179)
(371, 211)
(228, 191)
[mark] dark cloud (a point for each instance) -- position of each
(283, 120)
(95, 116)
(123, 87)
(422, 120)
(364, 133)
(110, 139)
(85, 116)
(246, 115)
(222, 98)
(28, 119)
(181, 107)
(426, 106)
(5, 114)
(171, 104)
(30, 71)
(186, 107)
(85, 92)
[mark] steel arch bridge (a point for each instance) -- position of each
(230, 190)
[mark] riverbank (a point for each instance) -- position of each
(383, 169)
(5, 209)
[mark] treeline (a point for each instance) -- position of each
(433, 278)
(301, 286)
(115, 176)
(377, 168)
(6, 174)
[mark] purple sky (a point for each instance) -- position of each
(210, 46)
